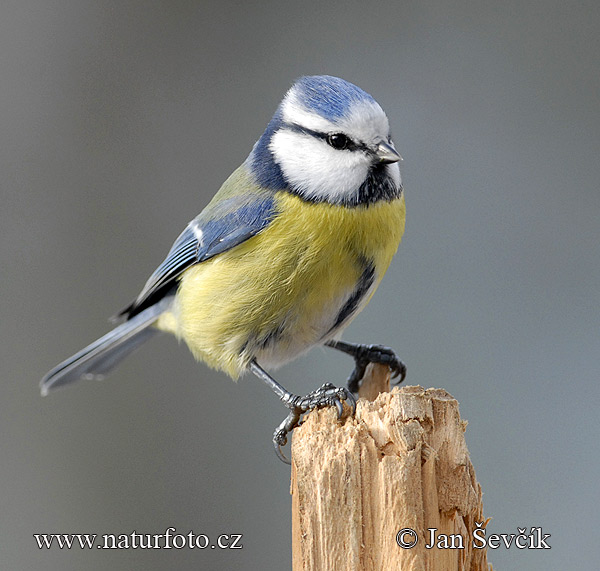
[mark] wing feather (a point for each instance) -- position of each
(215, 230)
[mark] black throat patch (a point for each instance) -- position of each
(377, 186)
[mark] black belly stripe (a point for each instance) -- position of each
(364, 284)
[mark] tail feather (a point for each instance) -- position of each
(102, 355)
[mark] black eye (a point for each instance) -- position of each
(338, 141)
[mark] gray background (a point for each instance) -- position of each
(118, 122)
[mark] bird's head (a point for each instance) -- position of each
(329, 141)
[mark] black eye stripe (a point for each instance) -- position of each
(351, 145)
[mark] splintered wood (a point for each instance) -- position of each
(400, 464)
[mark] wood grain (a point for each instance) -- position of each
(400, 462)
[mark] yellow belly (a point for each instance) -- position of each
(277, 294)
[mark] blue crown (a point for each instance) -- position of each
(330, 97)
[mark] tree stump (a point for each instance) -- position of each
(401, 463)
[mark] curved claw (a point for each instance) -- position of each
(340, 408)
(399, 370)
(280, 454)
(280, 435)
(326, 395)
(365, 354)
(352, 403)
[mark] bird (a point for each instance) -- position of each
(286, 254)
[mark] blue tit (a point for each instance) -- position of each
(284, 256)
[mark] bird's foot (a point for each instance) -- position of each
(326, 395)
(365, 354)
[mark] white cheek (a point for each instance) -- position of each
(317, 170)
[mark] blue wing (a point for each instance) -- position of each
(215, 230)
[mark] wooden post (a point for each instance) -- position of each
(400, 463)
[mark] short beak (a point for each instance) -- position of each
(386, 153)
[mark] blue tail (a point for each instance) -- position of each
(102, 355)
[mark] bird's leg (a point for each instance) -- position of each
(326, 395)
(365, 354)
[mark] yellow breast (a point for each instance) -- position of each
(275, 295)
